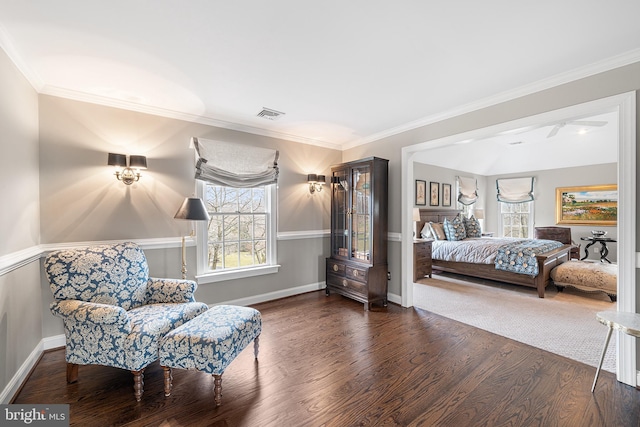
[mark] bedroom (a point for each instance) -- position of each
(57, 148)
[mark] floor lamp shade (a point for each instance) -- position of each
(192, 209)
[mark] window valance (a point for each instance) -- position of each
(515, 190)
(467, 190)
(235, 165)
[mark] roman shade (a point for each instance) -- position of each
(515, 190)
(467, 190)
(235, 165)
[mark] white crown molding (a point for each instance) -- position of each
(162, 112)
(7, 44)
(608, 64)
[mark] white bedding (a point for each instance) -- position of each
(471, 250)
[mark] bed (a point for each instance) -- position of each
(545, 261)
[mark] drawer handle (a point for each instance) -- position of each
(335, 267)
(344, 282)
(355, 273)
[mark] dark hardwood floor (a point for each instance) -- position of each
(326, 362)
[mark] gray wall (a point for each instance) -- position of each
(20, 296)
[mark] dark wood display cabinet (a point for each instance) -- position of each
(358, 266)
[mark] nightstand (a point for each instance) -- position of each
(421, 259)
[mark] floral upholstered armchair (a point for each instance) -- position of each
(114, 314)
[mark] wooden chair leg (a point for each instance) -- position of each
(72, 373)
(138, 384)
(256, 346)
(217, 389)
(168, 381)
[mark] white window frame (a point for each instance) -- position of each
(204, 275)
(531, 218)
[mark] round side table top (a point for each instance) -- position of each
(629, 323)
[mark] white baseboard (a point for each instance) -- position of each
(12, 386)
(270, 296)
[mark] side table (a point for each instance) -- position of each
(422, 259)
(629, 323)
(604, 251)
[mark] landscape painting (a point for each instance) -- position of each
(588, 205)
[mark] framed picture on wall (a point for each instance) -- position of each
(421, 192)
(446, 194)
(587, 205)
(434, 191)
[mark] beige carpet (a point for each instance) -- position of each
(563, 323)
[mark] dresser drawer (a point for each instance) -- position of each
(346, 284)
(335, 267)
(359, 274)
(423, 251)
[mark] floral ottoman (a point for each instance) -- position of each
(587, 276)
(210, 342)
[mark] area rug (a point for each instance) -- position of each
(563, 323)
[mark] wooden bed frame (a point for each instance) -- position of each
(546, 262)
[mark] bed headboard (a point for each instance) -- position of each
(434, 215)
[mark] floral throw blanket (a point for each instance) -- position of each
(520, 257)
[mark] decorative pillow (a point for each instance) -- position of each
(472, 227)
(437, 229)
(426, 232)
(454, 229)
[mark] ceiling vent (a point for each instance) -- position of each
(270, 114)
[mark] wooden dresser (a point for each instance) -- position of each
(421, 259)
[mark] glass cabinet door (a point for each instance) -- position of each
(361, 213)
(340, 207)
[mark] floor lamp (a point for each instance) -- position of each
(192, 209)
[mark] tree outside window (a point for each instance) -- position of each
(237, 230)
(516, 219)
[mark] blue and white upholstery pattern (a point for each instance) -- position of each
(520, 256)
(472, 227)
(210, 342)
(113, 313)
(454, 229)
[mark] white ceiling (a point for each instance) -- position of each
(532, 149)
(344, 72)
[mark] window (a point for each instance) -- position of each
(239, 240)
(516, 219)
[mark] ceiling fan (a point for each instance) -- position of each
(560, 125)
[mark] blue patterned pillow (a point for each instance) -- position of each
(472, 227)
(454, 229)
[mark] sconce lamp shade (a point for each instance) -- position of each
(192, 209)
(478, 213)
(137, 162)
(315, 182)
(416, 214)
(119, 160)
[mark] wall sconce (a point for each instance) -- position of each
(315, 182)
(130, 173)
